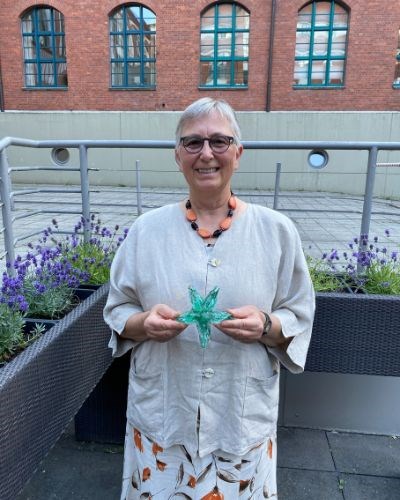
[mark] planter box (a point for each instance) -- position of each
(356, 333)
(43, 387)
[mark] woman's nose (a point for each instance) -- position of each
(206, 150)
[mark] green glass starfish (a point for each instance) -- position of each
(202, 313)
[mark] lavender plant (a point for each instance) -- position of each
(91, 259)
(368, 267)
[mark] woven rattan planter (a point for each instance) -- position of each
(43, 387)
(356, 333)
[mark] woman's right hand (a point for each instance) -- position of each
(159, 324)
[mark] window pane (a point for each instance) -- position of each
(302, 43)
(149, 20)
(318, 73)
(320, 43)
(117, 46)
(60, 47)
(62, 78)
(224, 44)
(242, 45)
(207, 45)
(149, 46)
(133, 73)
(27, 23)
(241, 72)
(224, 73)
(44, 19)
(338, 43)
(206, 73)
(242, 19)
(116, 22)
(207, 20)
(336, 72)
(58, 22)
(305, 17)
(132, 18)
(133, 46)
(47, 75)
(30, 75)
(149, 74)
(301, 72)
(322, 15)
(339, 17)
(225, 16)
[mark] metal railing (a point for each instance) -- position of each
(7, 194)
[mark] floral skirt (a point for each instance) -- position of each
(156, 473)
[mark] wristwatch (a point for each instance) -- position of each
(267, 325)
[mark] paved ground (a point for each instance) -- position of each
(313, 464)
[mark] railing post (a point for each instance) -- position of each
(277, 185)
(83, 164)
(5, 191)
(138, 188)
(368, 195)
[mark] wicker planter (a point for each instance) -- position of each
(356, 333)
(43, 387)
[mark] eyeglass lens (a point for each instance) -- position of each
(218, 144)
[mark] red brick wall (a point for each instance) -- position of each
(369, 69)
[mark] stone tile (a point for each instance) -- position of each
(294, 484)
(304, 449)
(68, 473)
(357, 487)
(366, 454)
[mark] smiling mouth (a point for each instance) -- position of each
(207, 170)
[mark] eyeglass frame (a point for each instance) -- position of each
(208, 139)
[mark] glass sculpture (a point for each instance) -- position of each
(203, 314)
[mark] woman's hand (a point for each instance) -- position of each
(247, 326)
(158, 324)
(161, 325)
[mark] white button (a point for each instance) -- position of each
(208, 372)
(214, 262)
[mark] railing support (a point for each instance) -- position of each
(138, 188)
(277, 185)
(5, 196)
(83, 163)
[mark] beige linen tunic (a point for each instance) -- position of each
(258, 261)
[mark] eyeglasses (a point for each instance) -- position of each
(218, 144)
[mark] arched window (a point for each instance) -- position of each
(321, 45)
(224, 46)
(396, 82)
(133, 47)
(43, 42)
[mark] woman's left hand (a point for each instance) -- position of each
(247, 324)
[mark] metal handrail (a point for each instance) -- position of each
(7, 195)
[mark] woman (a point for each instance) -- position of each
(202, 421)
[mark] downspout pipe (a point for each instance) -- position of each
(1, 92)
(270, 54)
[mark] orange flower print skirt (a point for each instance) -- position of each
(156, 473)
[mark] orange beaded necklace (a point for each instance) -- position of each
(223, 225)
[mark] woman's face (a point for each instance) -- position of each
(207, 171)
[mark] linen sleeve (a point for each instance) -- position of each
(294, 302)
(123, 300)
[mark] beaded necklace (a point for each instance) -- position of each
(223, 225)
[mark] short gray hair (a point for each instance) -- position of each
(203, 107)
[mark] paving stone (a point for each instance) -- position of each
(304, 449)
(366, 454)
(295, 484)
(357, 487)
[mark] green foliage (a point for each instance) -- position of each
(382, 278)
(324, 280)
(11, 331)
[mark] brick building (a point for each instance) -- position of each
(260, 55)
